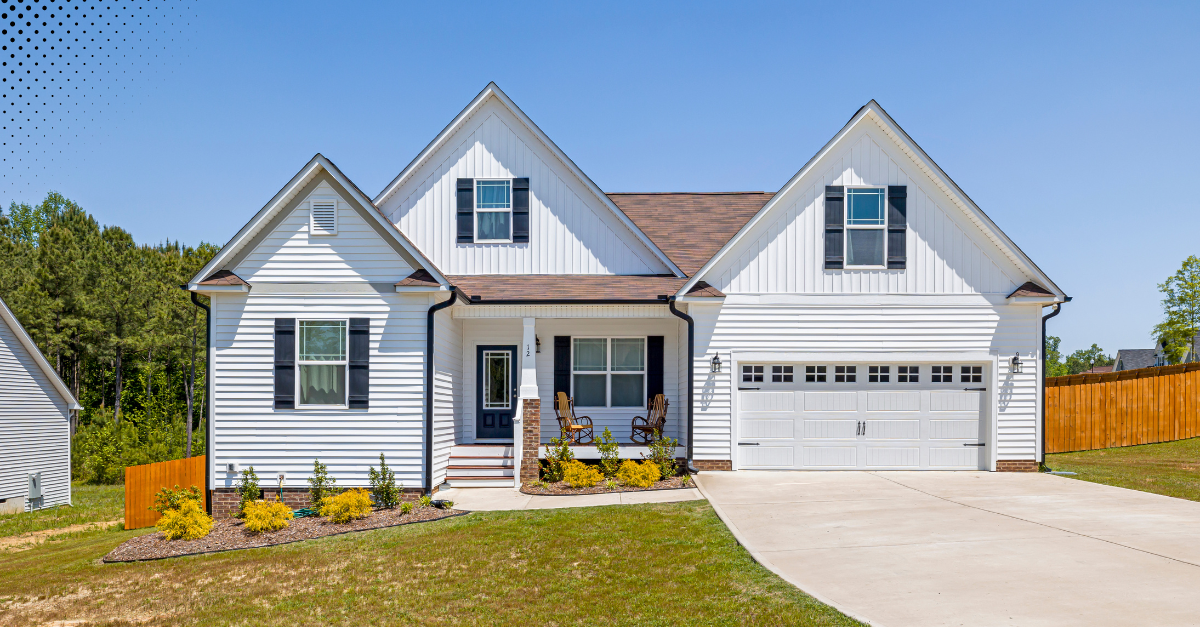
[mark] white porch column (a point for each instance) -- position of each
(529, 387)
(527, 421)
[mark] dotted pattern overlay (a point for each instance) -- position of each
(63, 64)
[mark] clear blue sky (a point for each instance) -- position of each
(1071, 125)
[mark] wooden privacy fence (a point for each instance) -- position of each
(1143, 406)
(143, 482)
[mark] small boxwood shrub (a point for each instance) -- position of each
(641, 475)
(610, 453)
(425, 501)
(187, 522)
(557, 458)
(580, 475)
(383, 485)
(266, 516)
(248, 490)
(320, 484)
(347, 506)
(406, 507)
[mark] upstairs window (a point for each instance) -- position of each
(866, 224)
(493, 210)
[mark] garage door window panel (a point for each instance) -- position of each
(879, 374)
(752, 374)
(908, 374)
(815, 374)
(845, 374)
(971, 374)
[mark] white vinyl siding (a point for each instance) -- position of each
(854, 325)
(570, 230)
(34, 428)
(448, 385)
(946, 252)
(290, 254)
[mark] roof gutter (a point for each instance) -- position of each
(691, 358)
(436, 307)
(208, 462)
(1057, 309)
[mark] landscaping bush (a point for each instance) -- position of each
(641, 475)
(610, 453)
(188, 522)
(406, 507)
(349, 505)
(424, 501)
(662, 453)
(247, 489)
(383, 485)
(168, 499)
(580, 475)
(560, 454)
(320, 485)
(266, 516)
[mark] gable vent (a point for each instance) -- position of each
(324, 217)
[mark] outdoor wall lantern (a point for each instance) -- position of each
(716, 363)
(1016, 363)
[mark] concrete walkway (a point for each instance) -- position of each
(489, 499)
(979, 549)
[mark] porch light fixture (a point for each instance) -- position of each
(1016, 363)
(716, 363)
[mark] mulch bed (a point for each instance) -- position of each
(228, 534)
(562, 489)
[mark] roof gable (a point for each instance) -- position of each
(871, 149)
(9, 319)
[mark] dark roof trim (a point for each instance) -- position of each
(1030, 289)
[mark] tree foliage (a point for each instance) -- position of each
(1181, 310)
(1081, 360)
(109, 316)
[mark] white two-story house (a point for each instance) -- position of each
(867, 315)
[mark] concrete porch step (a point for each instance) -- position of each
(482, 450)
(474, 482)
(479, 472)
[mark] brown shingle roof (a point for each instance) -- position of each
(223, 277)
(573, 287)
(420, 278)
(691, 228)
(1031, 289)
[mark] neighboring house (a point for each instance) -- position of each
(1134, 358)
(1098, 370)
(866, 315)
(35, 431)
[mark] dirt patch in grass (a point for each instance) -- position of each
(33, 538)
(562, 489)
(229, 534)
(90, 504)
(1167, 468)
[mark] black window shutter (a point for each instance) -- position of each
(835, 226)
(654, 366)
(358, 372)
(562, 364)
(466, 211)
(520, 210)
(897, 228)
(285, 363)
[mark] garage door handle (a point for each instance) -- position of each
(975, 389)
(747, 443)
(748, 388)
(979, 444)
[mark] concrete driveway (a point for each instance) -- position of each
(970, 548)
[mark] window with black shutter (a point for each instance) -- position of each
(835, 227)
(359, 364)
(466, 210)
(285, 363)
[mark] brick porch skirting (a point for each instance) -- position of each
(1019, 465)
(531, 438)
(225, 501)
(712, 464)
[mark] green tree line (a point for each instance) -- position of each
(109, 315)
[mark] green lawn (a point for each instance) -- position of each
(92, 504)
(1170, 468)
(667, 564)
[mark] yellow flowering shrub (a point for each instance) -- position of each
(347, 506)
(187, 522)
(580, 475)
(641, 475)
(266, 516)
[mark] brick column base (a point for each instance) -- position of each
(712, 464)
(531, 438)
(1016, 465)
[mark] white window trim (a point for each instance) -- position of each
(344, 362)
(846, 226)
(608, 372)
(478, 210)
(312, 227)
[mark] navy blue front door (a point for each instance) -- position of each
(496, 391)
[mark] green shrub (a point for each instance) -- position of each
(580, 475)
(320, 485)
(610, 453)
(248, 490)
(560, 454)
(662, 453)
(349, 505)
(686, 479)
(167, 499)
(424, 501)
(641, 475)
(189, 522)
(266, 516)
(383, 485)
(406, 507)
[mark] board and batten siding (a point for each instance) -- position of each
(248, 430)
(855, 326)
(448, 386)
(947, 253)
(570, 230)
(355, 254)
(34, 427)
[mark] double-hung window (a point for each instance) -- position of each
(866, 227)
(322, 362)
(609, 372)
(493, 210)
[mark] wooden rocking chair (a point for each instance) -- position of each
(576, 429)
(654, 423)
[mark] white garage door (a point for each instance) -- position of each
(883, 416)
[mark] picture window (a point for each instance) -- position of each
(781, 374)
(971, 374)
(752, 374)
(878, 374)
(814, 374)
(907, 374)
(845, 374)
(609, 372)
